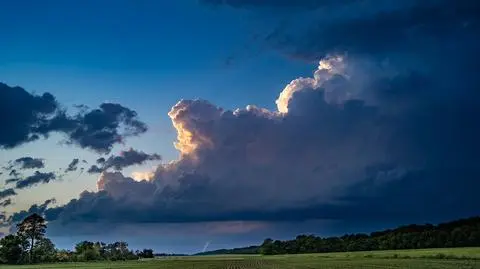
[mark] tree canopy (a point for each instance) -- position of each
(33, 229)
(460, 233)
(30, 245)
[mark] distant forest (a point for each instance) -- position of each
(459, 233)
(245, 250)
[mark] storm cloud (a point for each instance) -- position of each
(370, 134)
(341, 145)
(39, 115)
(395, 30)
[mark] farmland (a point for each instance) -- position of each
(411, 259)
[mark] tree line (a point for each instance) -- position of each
(30, 245)
(459, 233)
(243, 251)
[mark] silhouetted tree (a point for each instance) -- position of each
(32, 228)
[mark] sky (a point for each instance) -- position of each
(169, 124)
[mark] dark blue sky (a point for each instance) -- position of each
(302, 116)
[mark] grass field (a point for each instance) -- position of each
(460, 258)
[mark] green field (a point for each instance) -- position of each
(458, 258)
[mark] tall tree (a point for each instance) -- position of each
(32, 228)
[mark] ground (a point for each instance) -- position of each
(459, 258)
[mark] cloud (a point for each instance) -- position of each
(38, 116)
(36, 178)
(409, 28)
(12, 180)
(73, 165)
(100, 160)
(124, 159)
(99, 129)
(128, 158)
(20, 121)
(338, 140)
(94, 169)
(38, 209)
(29, 163)
(14, 173)
(6, 202)
(397, 28)
(7, 193)
(362, 139)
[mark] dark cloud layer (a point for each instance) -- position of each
(36, 178)
(29, 163)
(27, 117)
(412, 28)
(379, 28)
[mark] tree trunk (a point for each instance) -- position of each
(31, 249)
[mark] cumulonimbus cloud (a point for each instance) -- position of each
(350, 142)
(336, 142)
